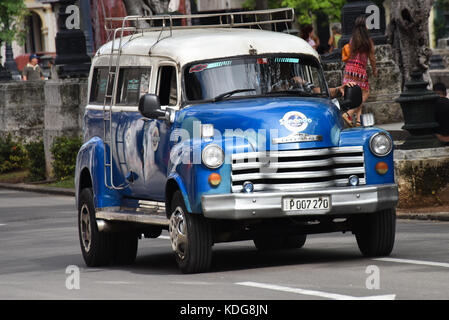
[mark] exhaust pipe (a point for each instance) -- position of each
(104, 226)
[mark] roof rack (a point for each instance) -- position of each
(225, 20)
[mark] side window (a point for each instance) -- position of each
(133, 83)
(99, 84)
(168, 90)
(98, 87)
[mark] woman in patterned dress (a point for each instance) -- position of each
(356, 54)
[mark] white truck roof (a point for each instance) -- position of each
(189, 45)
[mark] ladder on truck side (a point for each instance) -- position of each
(109, 102)
(161, 23)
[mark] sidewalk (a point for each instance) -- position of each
(37, 188)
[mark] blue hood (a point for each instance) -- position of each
(267, 114)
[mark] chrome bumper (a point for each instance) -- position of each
(260, 205)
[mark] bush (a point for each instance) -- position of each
(36, 160)
(64, 151)
(12, 155)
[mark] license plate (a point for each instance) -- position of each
(317, 204)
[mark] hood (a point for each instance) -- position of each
(272, 117)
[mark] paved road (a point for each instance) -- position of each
(38, 241)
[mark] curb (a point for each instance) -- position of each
(439, 216)
(436, 216)
(39, 189)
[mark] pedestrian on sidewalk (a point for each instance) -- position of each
(32, 71)
(442, 113)
(308, 34)
(334, 39)
(356, 54)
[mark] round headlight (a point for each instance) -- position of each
(212, 156)
(381, 144)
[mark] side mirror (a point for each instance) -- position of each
(353, 98)
(150, 107)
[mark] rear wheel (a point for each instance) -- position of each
(375, 233)
(269, 243)
(190, 237)
(96, 246)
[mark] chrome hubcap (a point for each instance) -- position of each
(85, 227)
(178, 233)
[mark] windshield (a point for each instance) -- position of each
(254, 76)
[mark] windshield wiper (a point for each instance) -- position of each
(231, 93)
(290, 92)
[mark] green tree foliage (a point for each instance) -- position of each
(36, 160)
(12, 154)
(64, 151)
(272, 4)
(305, 9)
(12, 17)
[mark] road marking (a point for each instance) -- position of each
(314, 293)
(164, 237)
(2, 224)
(418, 262)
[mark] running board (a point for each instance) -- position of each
(152, 214)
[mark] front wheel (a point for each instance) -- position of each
(375, 233)
(190, 237)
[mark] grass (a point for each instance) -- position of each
(15, 177)
(23, 176)
(65, 184)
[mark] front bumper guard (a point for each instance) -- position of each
(261, 205)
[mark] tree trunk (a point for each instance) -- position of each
(408, 34)
(146, 8)
(261, 4)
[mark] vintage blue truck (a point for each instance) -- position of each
(219, 134)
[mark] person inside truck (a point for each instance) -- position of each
(442, 113)
(289, 81)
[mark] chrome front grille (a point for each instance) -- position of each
(298, 170)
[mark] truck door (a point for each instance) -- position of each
(156, 138)
(133, 83)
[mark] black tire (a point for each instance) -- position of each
(193, 251)
(96, 247)
(125, 248)
(375, 233)
(270, 243)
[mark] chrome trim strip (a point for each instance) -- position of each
(297, 153)
(297, 186)
(297, 164)
(298, 175)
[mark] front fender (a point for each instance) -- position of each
(176, 178)
(193, 177)
(91, 157)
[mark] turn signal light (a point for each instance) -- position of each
(214, 179)
(382, 168)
